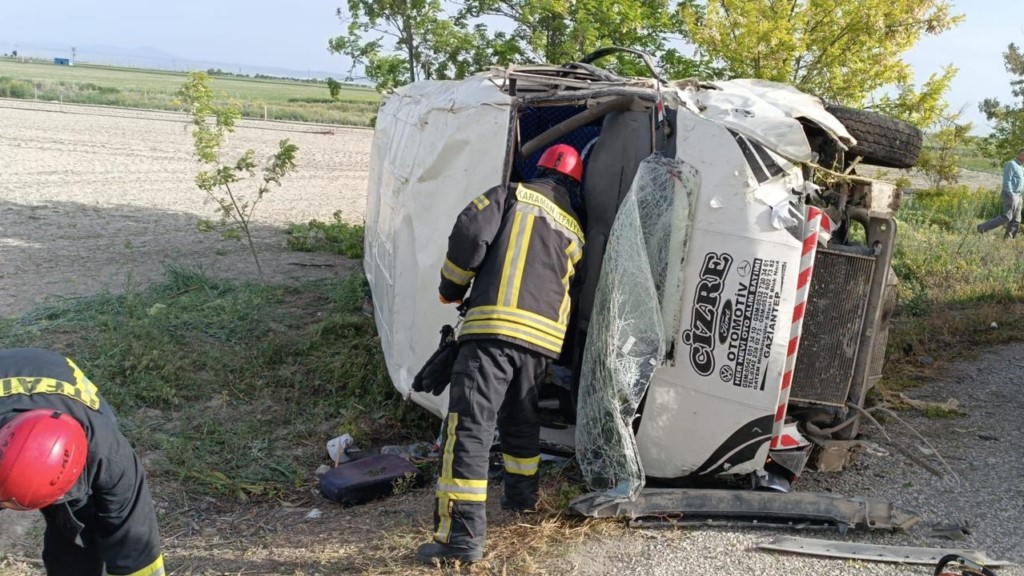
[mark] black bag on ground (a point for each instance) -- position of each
(437, 372)
(368, 478)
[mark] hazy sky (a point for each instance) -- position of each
(280, 33)
(293, 34)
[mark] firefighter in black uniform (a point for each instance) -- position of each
(61, 453)
(519, 245)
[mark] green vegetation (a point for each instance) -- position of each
(942, 260)
(224, 183)
(338, 237)
(972, 157)
(1007, 117)
(954, 283)
(236, 386)
(156, 90)
(845, 51)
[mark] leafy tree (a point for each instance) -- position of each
(211, 123)
(946, 132)
(940, 157)
(401, 41)
(557, 32)
(1008, 119)
(841, 50)
(334, 88)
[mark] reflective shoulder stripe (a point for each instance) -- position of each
(457, 275)
(154, 569)
(524, 194)
(481, 202)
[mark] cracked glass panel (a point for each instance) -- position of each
(635, 318)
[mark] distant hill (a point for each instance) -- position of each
(149, 57)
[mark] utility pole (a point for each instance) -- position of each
(74, 52)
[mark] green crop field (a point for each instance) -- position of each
(156, 89)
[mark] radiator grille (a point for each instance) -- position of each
(832, 328)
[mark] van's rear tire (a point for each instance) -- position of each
(881, 140)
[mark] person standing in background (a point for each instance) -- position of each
(1013, 187)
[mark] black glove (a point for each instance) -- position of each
(437, 371)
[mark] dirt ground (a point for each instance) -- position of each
(95, 200)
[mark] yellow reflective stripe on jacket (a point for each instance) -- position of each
(154, 569)
(520, 260)
(539, 212)
(528, 196)
(481, 202)
(513, 330)
(505, 288)
(444, 513)
(82, 389)
(457, 275)
(574, 252)
(521, 466)
(518, 316)
(563, 310)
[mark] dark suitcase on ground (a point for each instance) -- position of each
(369, 478)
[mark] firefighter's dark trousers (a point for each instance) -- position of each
(493, 383)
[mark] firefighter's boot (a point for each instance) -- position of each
(520, 492)
(459, 536)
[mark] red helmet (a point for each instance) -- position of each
(563, 158)
(42, 454)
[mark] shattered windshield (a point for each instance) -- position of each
(635, 311)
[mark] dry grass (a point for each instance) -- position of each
(203, 536)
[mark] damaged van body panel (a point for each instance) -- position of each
(437, 145)
(705, 212)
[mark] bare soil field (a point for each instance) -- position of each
(97, 199)
(94, 199)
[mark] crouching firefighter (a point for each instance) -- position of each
(518, 245)
(61, 453)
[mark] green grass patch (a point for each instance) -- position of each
(954, 283)
(972, 159)
(337, 236)
(235, 386)
(942, 260)
(941, 413)
(157, 90)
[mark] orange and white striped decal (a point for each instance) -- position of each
(780, 440)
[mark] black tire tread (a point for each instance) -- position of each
(881, 140)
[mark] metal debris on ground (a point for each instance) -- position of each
(951, 530)
(874, 552)
(755, 507)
